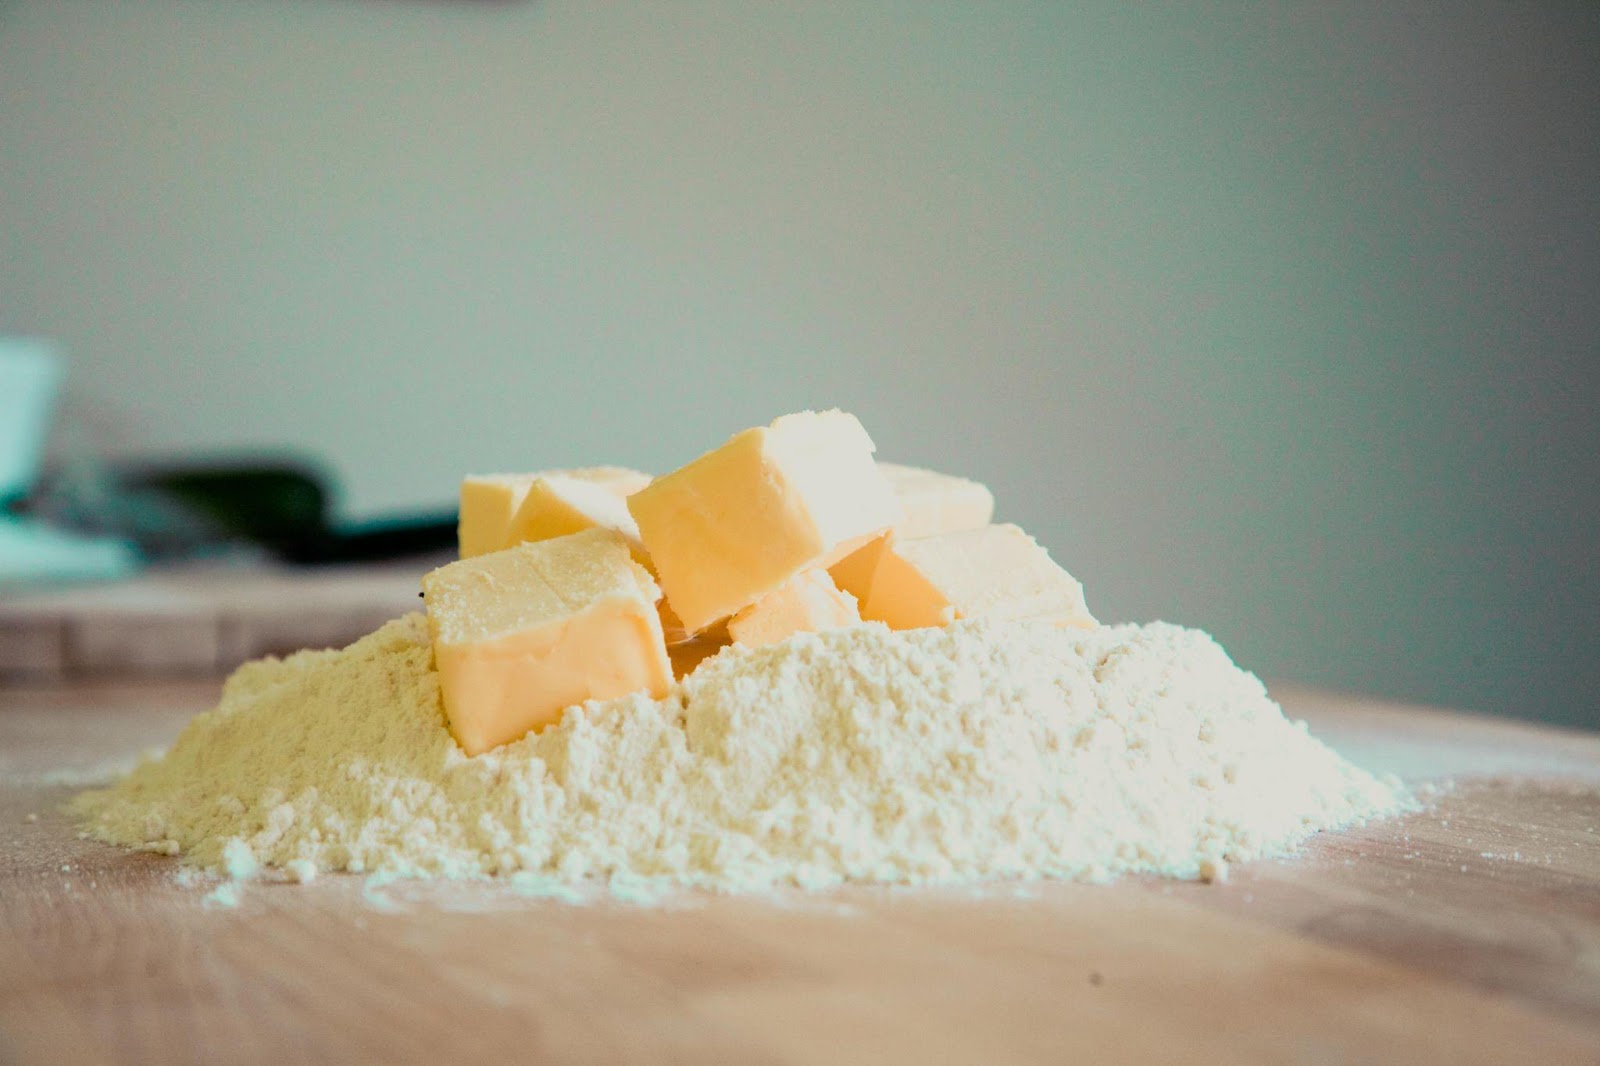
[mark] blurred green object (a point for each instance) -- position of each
(280, 505)
(269, 505)
(89, 520)
(285, 510)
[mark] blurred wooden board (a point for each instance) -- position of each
(1467, 933)
(198, 620)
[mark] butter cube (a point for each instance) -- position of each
(555, 505)
(807, 602)
(520, 635)
(738, 522)
(934, 503)
(930, 503)
(994, 572)
(490, 501)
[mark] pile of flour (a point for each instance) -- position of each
(979, 751)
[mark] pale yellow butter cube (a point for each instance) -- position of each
(994, 572)
(522, 634)
(489, 502)
(738, 522)
(555, 505)
(930, 503)
(807, 602)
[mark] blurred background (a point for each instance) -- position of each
(1280, 320)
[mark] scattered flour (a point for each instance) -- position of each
(977, 752)
(224, 895)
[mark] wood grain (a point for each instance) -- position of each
(1467, 933)
(198, 619)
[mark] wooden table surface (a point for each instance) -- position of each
(1468, 933)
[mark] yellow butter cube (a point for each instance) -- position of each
(522, 634)
(738, 522)
(994, 572)
(489, 502)
(807, 602)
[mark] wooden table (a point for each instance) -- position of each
(198, 619)
(1469, 933)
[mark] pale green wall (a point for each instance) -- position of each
(1280, 321)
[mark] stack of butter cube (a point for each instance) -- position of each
(598, 582)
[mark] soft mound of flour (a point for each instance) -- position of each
(981, 751)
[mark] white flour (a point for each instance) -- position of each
(977, 752)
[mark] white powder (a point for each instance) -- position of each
(981, 751)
